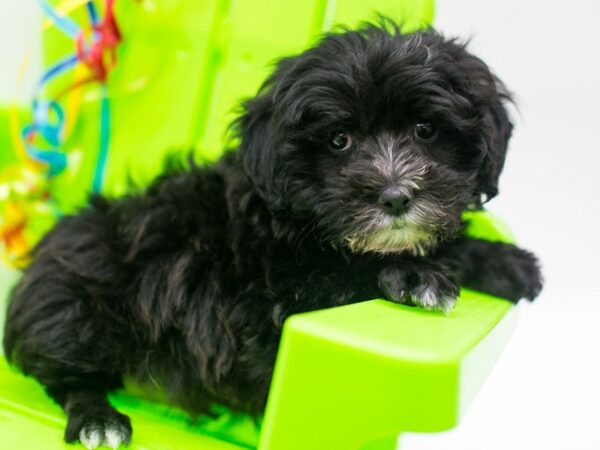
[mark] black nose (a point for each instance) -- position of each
(394, 201)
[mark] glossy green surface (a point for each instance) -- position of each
(29, 420)
(365, 372)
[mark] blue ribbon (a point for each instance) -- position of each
(57, 69)
(49, 118)
(104, 142)
(57, 162)
(92, 12)
(63, 23)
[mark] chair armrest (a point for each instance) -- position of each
(356, 376)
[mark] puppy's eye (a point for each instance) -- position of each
(340, 141)
(425, 131)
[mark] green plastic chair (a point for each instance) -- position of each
(353, 377)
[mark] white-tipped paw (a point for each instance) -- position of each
(110, 434)
(91, 438)
(98, 425)
(434, 299)
(428, 288)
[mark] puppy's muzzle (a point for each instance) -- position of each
(395, 200)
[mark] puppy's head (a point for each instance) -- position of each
(379, 139)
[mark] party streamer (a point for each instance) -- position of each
(25, 190)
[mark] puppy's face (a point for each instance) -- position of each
(379, 140)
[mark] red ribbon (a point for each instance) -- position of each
(101, 56)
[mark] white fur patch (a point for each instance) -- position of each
(428, 299)
(393, 239)
(399, 168)
(113, 437)
(90, 438)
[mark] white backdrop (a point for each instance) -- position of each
(544, 393)
(19, 34)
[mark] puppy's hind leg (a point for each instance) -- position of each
(81, 388)
(56, 335)
(92, 420)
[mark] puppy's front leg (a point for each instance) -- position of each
(496, 268)
(400, 279)
(422, 283)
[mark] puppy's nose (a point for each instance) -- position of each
(394, 201)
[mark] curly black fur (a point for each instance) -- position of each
(187, 284)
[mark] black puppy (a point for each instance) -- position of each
(355, 162)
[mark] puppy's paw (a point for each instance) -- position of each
(520, 275)
(429, 288)
(435, 291)
(93, 429)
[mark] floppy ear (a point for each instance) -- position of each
(497, 129)
(489, 96)
(259, 144)
(261, 137)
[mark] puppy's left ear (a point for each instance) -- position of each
(497, 129)
(490, 97)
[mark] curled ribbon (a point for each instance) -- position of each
(96, 50)
(26, 191)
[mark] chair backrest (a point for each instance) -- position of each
(183, 68)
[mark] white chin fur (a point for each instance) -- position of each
(393, 240)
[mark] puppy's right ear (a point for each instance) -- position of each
(260, 135)
(258, 144)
